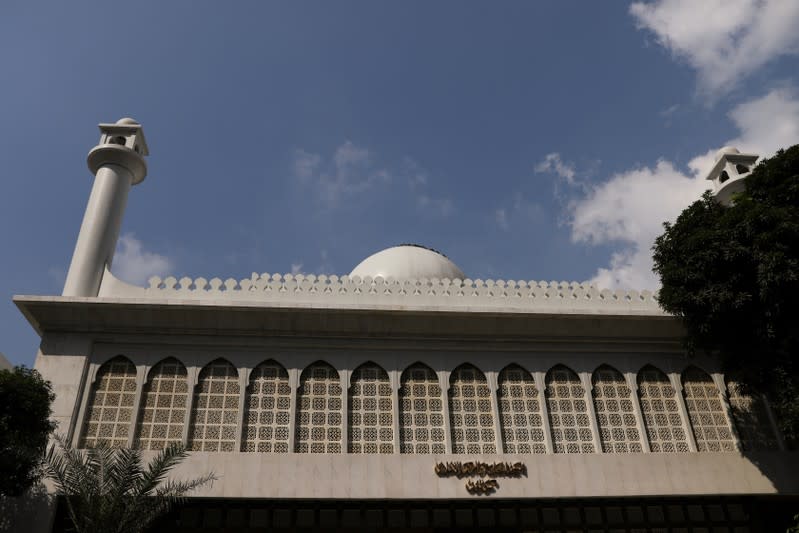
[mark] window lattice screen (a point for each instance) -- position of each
(319, 420)
(371, 420)
(470, 412)
(110, 406)
(215, 411)
(702, 398)
(751, 419)
(568, 412)
(421, 411)
(267, 410)
(664, 425)
(618, 429)
(163, 406)
(520, 412)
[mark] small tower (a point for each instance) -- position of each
(117, 163)
(729, 173)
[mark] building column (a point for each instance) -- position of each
(141, 379)
(84, 404)
(443, 383)
(632, 383)
(676, 383)
(540, 383)
(244, 381)
(294, 383)
(718, 380)
(345, 411)
(192, 375)
(493, 386)
(588, 385)
(394, 380)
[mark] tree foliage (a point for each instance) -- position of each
(732, 275)
(110, 490)
(25, 425)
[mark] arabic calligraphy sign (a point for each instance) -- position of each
(480, 469)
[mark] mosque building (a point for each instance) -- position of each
(404, 396)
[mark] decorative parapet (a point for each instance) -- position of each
(435, 294)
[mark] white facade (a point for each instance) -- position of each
(349, 388)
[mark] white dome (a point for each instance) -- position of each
(407, 261)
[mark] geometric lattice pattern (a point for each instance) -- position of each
(568, 412)
(702, 399)
(163, 406)
(751, 419)
(421, 411)
(371, 415)
(110, 407)
(319, 410)
(470, 412)
(267, 410)
(664, 425)
(215, 411)
(618, 429)
(520, 412)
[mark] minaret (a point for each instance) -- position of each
(117, 163)
(730, 172)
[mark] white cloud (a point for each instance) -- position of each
(723, 40)
(296, 268)
(134, 264)
(631, 206)
(553, 163)
(348, 172)
(501, 218)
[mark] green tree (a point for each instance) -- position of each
(110, 490)
(732, 275)
(25, 425)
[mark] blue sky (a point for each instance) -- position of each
(526, 140)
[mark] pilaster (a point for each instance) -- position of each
(632, 382)
(588, 386)
(676, 382)
(493, 386)
(443, 382)
(540, 384)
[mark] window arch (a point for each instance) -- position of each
(371, 420)
(319, 420)
(267, 410)
(162, 413)
(109, 410)
(568, 412)
(214, 416)
(470, 413)
(618, 429)
(421, 411)
(705, 409)
(664, 425)
(520, 412)
(751, 418)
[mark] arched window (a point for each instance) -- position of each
(421, 411)
(267, 410)
(109, 410)
(664, 425)
(702, 399)
(618, 429)
(214, 416)
(470, 412)
(319, 420)
(162, 414)
(751, 419)
(568, 412)
(371, 420)
(520, 412)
